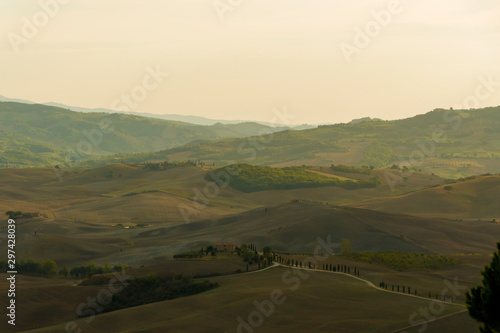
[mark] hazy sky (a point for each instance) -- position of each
(264, 54)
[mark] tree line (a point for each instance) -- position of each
(155, 288)
(48, 268)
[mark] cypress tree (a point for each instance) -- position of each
(483, 301)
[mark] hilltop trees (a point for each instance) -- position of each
(30, 267)
(13, 214)
(351, 169)
(48, 267)
(18, 214)
(251, 178)
(251, 254)
(483, 302)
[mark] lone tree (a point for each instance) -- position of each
(483, 302)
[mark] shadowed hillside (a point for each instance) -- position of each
(320, 302)
(475, 198)
(295, 227)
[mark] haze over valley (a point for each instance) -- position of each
(264, 166)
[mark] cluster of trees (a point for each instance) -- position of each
(154, 288)
(365, 170)
(87, 271)
(250, 253)
(48, 268)
(210, 250)
(169, 165)
(251, 178)
(189, 254)
(406, 260)
(30, 267)
(17, 214)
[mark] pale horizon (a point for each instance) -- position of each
(262, 56)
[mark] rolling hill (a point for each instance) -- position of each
(451, 143)
(324, 302)
(131, 194)
(197, 120)
(474, 198)
(41, 135)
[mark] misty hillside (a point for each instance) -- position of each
(448, 142)
(196, 120)
(36, 135)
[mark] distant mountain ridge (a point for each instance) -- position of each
(450, 143)
(197, 120)
(41, 135)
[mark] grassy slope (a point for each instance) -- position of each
(295, 227)
(86, 203)
(324, 302)
(89, 196)
(472, 199)
(40, 302)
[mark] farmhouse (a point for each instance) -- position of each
(225, 247)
